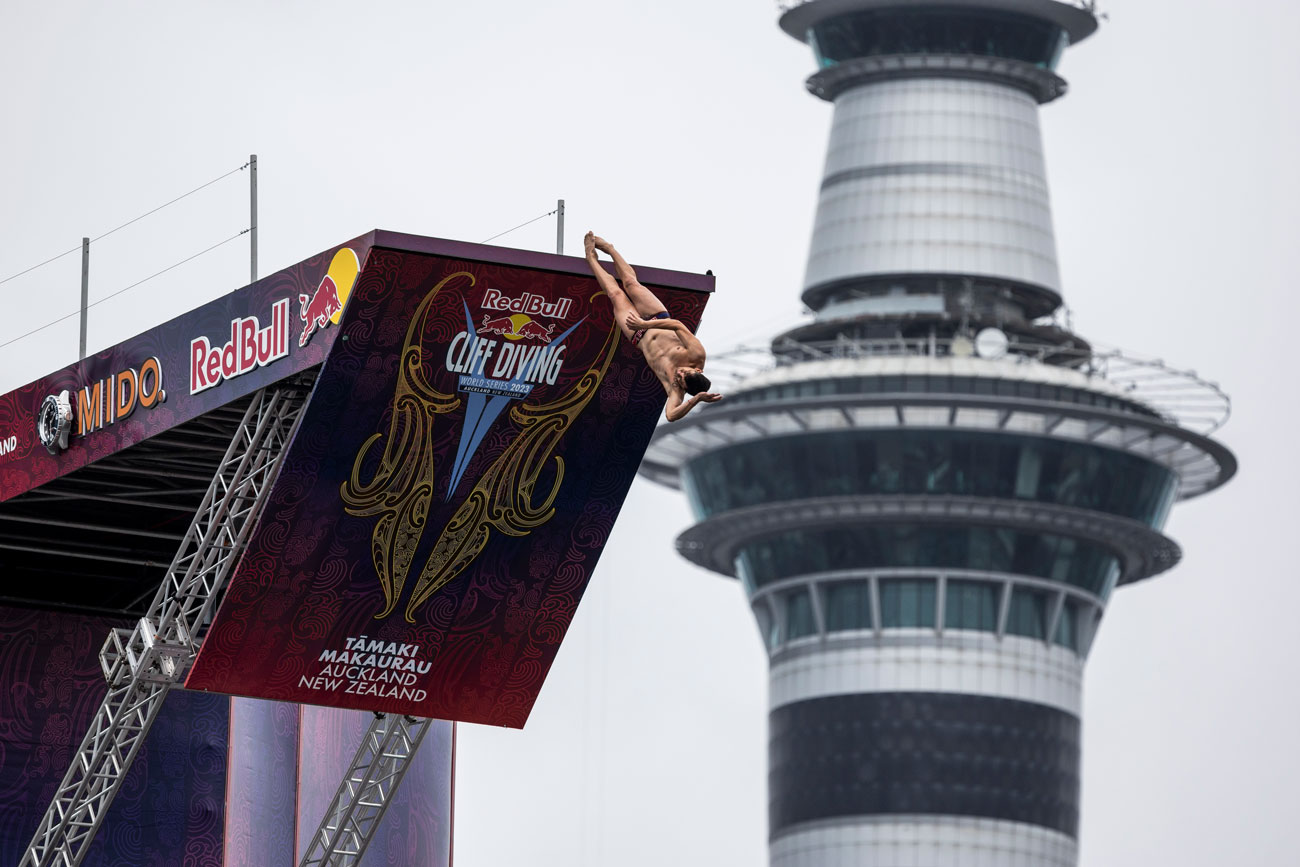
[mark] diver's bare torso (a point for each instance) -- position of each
(664, 352)
(670, 349)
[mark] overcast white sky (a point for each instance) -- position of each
(680, 130)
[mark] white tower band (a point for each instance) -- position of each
(932, 489)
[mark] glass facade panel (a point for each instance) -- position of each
(848, 606)
(799, 615)
(907, 603)
(1067, 630)
(971, 605)
(937, 30)
(1039, 555)
(1027, 615)
(766, 625)
(874, 754)
(962, 463)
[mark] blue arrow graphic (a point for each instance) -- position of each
(482, 410)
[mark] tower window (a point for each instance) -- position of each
(971, 605)
(1028, 613)
(1067, 629)
(799, 615)
(848, 606)
(907, 603)
(937, 30)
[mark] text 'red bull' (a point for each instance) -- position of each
(533, 305)
(250, 347)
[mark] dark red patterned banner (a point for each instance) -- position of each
(176, 371)
(457, 471)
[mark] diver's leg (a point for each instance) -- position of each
(647, 305)
(617, 297)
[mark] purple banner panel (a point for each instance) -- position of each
(262, 783)
(170, 809)
(462, 460)
(174, 372)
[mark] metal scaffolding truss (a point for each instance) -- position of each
(367, 789)
(143, 664)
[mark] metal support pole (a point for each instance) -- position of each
(559, 227)
(142, 665)
(85, 293)
(252, 219)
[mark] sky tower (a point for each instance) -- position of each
(930, 491)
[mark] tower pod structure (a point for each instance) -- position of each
(930, 491)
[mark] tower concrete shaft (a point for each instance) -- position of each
(933, 488)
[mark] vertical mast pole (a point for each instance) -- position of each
(559, 227)
(252, 205)
(85, 293)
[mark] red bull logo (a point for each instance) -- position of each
(318, 308)
(250, 346)
(325, 306)
(517, 327)
(527, 304)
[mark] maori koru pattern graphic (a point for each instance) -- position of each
(504, 499)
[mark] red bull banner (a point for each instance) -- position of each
(457, 471)
(175, 372)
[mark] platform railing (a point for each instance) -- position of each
(1180, 397)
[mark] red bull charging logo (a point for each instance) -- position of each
(518, 323)
(517, 327)
(325, 306)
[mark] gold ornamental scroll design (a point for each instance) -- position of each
(402, 486)
(505, 497)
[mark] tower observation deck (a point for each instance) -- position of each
(930, 491)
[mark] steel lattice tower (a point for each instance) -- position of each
(931, 490)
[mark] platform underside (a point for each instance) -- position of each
(99, 539)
